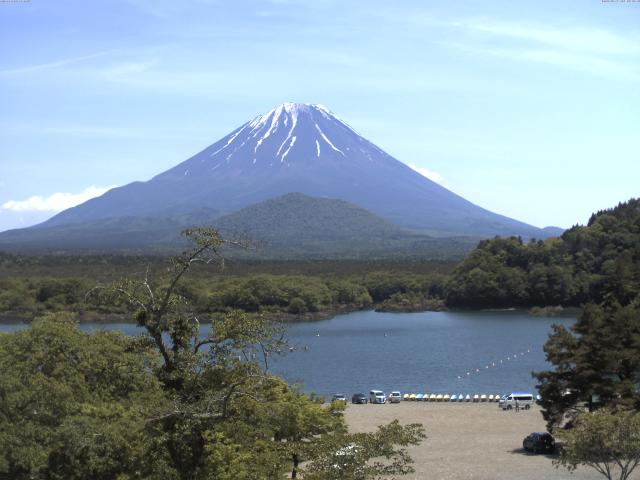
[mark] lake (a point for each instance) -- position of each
(429, 352)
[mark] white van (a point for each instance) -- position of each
(377, 396)
(525, 400)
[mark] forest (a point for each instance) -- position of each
(585, 264)
(30, 286)
(568, 271)
(172, 404)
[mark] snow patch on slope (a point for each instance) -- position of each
(324, 137)
(293, 141)
(233, 137)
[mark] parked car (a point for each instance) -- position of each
(339, 397)
(395, 397)
(359, 398)
(377, 396)
(539, 442)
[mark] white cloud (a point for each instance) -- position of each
(56, 202)
(589, 40)
(51, 65)
(589, 50)
(590, 64)
(430, 174)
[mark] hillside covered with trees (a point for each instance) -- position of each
(585, 264)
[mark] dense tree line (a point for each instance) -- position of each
(253, 293)
(586, 264)
(591, 396)
(176, 403)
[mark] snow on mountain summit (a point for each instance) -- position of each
(288, 133)
(305, 148)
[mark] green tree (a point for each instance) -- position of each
(603, 440)
(229, 418)
(362, 456)
(73, 404)
(599, 359)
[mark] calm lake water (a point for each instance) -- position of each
(429, 352)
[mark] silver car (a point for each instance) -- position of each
(377, 396)
(395, 397)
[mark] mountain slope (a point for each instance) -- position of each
(298, 148)
(292, 226)
(299, 226)
(299, 216)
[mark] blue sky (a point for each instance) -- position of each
(529, 109)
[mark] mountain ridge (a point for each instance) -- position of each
(295, 148)
(293, 226)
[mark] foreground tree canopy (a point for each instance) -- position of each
(173, 403)
(597, 363)
(607, 441)
(591, 398)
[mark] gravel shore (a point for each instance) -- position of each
(467, 441)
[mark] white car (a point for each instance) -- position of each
(395, 397)
(377, 396)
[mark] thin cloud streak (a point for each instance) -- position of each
(593, 51)
(592, 65)
(595, 41)
(52, 65)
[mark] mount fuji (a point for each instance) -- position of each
(292, 148)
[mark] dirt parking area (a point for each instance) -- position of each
(468, 441)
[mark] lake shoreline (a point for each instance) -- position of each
(17, 318)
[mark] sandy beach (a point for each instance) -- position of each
(468, 441)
